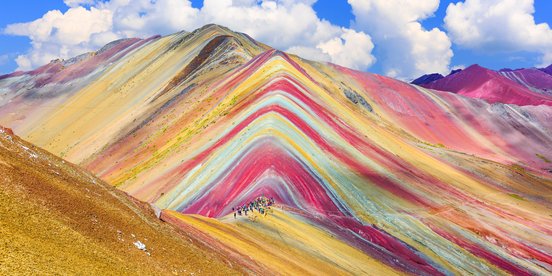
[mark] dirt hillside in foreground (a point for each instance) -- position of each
(56, 218)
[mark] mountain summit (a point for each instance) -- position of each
(369, 175)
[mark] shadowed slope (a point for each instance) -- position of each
(547, 70)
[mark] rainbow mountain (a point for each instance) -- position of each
(370, 175)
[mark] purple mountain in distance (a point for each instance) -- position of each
(547, 70)
(454, 72)
(524, 86)
(427, 78)
(432, 77)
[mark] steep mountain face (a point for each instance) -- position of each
(370, 174)
(519, 87)
(57, 218)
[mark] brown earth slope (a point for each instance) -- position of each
(57, 218)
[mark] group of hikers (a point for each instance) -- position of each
(260, 204)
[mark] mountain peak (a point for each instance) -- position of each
(454, 71)
(476, 67)
(214, 27)
(427, 79)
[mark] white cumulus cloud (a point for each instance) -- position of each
(286, 24)
(58, 34)
(352, 49)
(499, 25)
(405, 48)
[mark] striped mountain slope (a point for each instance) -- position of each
(370, 175)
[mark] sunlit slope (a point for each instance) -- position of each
(129, 88)
(59, 219)
(419, 181)
(281, 242)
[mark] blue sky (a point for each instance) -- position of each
(379, 56)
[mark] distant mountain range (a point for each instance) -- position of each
(525, 86)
